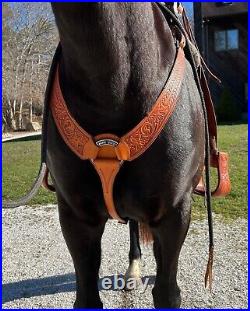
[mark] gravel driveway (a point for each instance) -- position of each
(38, 272)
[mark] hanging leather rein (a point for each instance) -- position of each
(107, 152)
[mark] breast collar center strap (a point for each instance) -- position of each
(107, 151)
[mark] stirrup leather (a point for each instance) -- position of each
(220, 161)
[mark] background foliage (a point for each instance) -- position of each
(28, 43)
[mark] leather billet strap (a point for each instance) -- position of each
(107, 152)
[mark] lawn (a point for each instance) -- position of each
(231, 139)
(21, 163)
(20, 166)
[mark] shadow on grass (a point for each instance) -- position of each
(51, 285)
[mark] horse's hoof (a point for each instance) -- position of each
(79, 305)
(167, 300)
(132, 276)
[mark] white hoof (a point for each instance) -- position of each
(133, 275)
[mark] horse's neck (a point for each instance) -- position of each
(116, 57)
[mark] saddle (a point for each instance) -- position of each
(108, 152)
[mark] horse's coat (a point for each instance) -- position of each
(115, 59)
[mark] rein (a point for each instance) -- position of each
(208, 274)
(210, 135)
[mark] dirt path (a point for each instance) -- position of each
(38, 271)
(18, 135)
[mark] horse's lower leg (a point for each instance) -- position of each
(169, 237)
(134, 252)
(84, 244)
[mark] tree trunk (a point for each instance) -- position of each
(31, 97)
(20, 116)
(10, 118)
(30, 110)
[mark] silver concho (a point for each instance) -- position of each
(106, 142)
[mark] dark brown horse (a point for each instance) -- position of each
(115, 60)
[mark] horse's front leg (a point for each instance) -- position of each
(169, 236)
(83, 239)
(133, 271)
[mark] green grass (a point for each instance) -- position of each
(21, 163)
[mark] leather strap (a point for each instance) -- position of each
(212, 123)
(77, 139)
(107, 152)
(223, 188)
(210, 130)
(107, 166)
(140, 138)
(107, 170)
(218, 159)
(45, 182)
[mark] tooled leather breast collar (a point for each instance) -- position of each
(107, 152)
